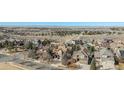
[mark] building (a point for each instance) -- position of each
(107, 59)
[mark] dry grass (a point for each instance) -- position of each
(7, 66)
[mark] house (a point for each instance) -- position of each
(120, 54)
(106, 59)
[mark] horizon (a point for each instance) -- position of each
(38, 24)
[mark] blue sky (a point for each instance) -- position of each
(61, 23)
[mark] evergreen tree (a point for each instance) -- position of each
(93, 64)
(10, 46)
(39, 42)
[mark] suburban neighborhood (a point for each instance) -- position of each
(61, 48)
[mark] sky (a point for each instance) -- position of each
(61, 23)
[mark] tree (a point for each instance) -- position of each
(10, 46)
(42, 34)
(78, 48)
(30, 45)
(89, 59)
(116, 60)
(16, 48)
(93, 64)
(45, 42)
(39, 42)
(91, 50)
(6, 44)
(109, 33)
